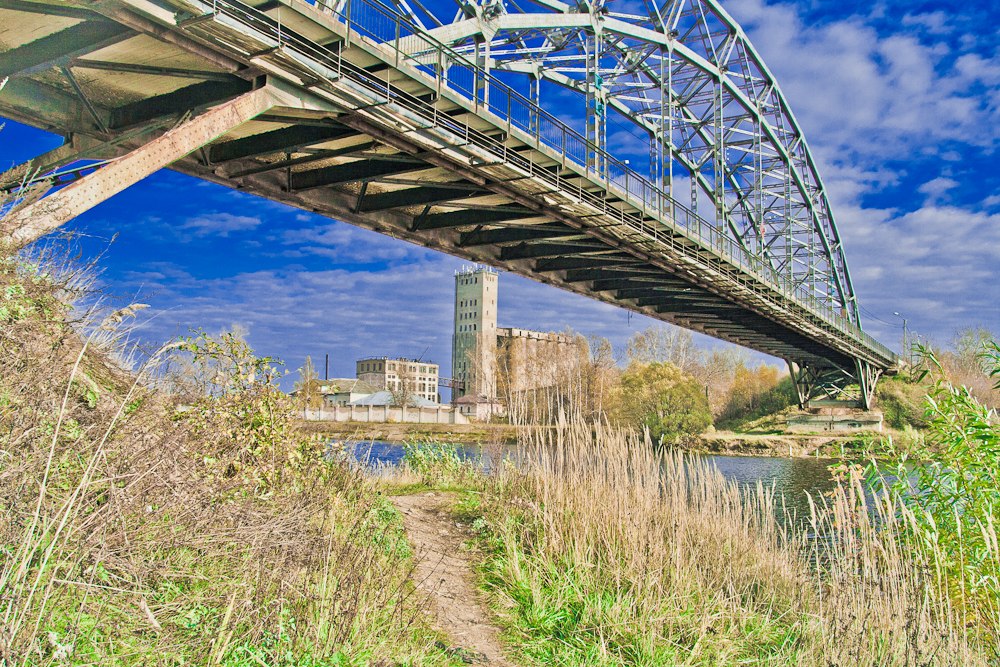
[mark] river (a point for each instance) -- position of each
(791, 477)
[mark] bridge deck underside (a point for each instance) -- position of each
(113, 79)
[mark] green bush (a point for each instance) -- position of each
(660, 397)
(951, 497)
(434, 462)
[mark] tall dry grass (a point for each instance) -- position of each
(604, 551)
(120, 545)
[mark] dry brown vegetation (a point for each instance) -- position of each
(603, 551)
(131, 533)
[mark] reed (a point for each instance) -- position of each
(602, 550)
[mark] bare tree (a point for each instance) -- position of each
(663, 344)
(403, 390)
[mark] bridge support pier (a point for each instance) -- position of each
(45, 215)
(867, 377)
(855, 385)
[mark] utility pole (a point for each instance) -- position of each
(326, 373)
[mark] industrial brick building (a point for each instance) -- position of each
(487, 360)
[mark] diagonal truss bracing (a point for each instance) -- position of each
(716, 126)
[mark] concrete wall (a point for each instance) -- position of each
(384, 414)
(820, 423)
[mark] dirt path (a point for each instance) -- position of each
(444, 574)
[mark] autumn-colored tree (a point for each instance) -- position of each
(602, 378)
(967, 364)
(661, 397)
(755, 392)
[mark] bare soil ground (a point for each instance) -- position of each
(444, 574)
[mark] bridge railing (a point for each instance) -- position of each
(451, 70)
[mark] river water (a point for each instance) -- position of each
(792, 478)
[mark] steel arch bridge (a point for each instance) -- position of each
(641, 154)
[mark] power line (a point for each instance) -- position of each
(875, 317)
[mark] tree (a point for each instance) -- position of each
(602, 377)
(663, 344)
(403, 391)
(664, 399)
(756, 392)
(968, 363)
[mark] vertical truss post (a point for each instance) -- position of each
(596, 111)
(868, 376)
(719, 164)
(804, 378)
(41, 217)
(670, 143)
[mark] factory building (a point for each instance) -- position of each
(487, 360)
(410, 376)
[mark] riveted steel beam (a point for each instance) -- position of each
(468, 218)
(177, 72)
(583, 263)
(178, 102)
(60, 47)
(48, 214)
(646, 282)
(539, 250)
(354, 172)
(47, 9)
(430, 194)
(287, 139)
(541, 232)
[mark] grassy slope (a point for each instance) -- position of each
(121, 543)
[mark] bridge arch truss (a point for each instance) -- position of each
(493, 133)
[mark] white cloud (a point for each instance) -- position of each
(220, 224)
(937, 265)
(936, 188)
(860, 94)
(343, 242)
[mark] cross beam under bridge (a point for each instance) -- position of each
(312, 111)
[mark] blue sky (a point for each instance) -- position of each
(900, 102)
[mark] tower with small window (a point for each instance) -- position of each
(474, 339)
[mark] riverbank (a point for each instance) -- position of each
(780, 445)
(718, 442)
(477, 434)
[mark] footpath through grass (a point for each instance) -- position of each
(602, 551)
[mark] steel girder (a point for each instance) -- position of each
(715, 123)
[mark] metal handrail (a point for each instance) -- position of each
(627, 185)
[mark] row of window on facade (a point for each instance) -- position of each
(467, 327)
(373, 367)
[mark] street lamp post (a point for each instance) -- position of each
(906, 349)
